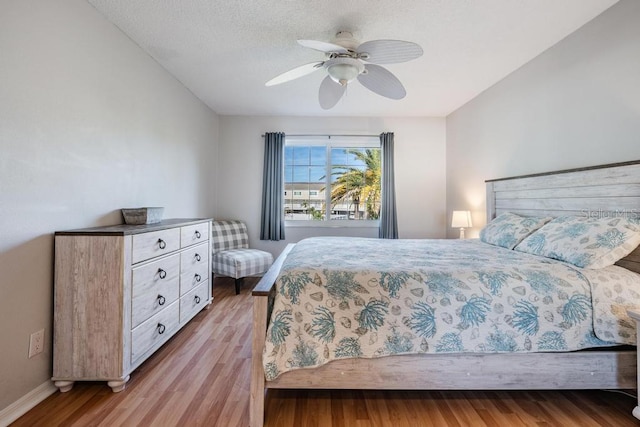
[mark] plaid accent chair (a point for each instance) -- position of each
(231, 254)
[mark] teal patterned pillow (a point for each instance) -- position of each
(509, 229)
(584, 242)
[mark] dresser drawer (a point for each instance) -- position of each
(193, 278)
(193, 257)
(192, 234)
(154, 287)
(194, 301)
(194, 267)
(149, 245)
(155, 331)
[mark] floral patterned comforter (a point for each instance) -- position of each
(355, 297)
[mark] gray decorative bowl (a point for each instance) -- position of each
(140, 216)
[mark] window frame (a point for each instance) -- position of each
(330, 142)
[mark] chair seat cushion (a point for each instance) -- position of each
(242, 262)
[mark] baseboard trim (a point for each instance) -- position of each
(26, 402)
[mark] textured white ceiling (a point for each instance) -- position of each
(225, 50)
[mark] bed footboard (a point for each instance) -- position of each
(635, 315)
(260, 320)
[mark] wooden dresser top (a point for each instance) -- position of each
(124, 229)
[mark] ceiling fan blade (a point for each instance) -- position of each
(379, 80)
(389, 51)
(330, 93)
(297, 72)
(322, 46)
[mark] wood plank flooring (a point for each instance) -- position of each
(201, 378)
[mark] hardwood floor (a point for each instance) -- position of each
(201, 378)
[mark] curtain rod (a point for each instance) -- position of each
(328, 135)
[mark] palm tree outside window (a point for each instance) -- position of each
(357, 185)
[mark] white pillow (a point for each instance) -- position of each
(584, 242)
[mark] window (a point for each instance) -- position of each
(343, 175)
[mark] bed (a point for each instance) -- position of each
(469, 331)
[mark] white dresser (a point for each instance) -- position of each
(123, 291)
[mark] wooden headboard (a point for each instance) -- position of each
(605, 190)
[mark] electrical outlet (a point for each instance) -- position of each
(36, 343)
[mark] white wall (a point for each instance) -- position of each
(577, 104)
(88, 124)
(419, 162)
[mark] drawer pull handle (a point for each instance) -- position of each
(197, 298)
(198, 277)
(161, 328)
(161, 300)
(162, 244)
(198, 257)
(162, 273)
(197, 234)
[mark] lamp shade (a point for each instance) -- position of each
(461, 219)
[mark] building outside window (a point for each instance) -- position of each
(332, 180)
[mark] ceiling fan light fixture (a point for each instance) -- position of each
(343, 73)
(344, 70)
(344, 62)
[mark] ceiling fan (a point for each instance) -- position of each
(345, 61)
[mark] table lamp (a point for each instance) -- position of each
(461, 220)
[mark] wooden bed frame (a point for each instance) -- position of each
(602, 190)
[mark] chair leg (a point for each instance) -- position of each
(238, 284)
